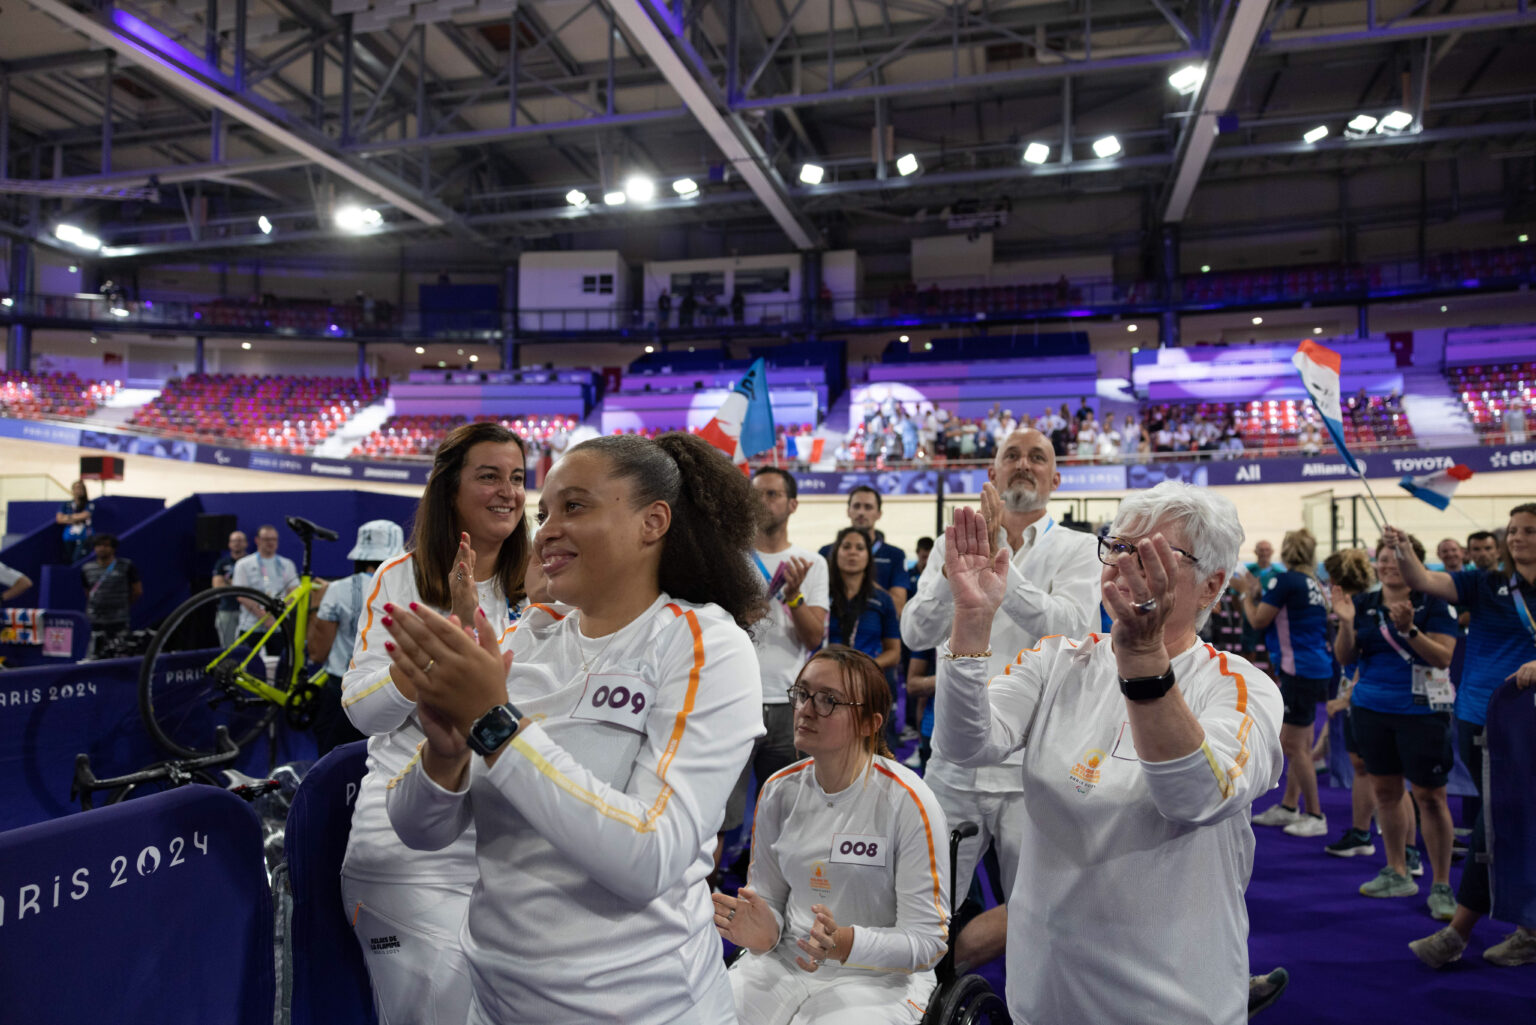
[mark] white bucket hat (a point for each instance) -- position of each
(378, 540)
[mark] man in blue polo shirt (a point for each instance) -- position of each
(890, 562)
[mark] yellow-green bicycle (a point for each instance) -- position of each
(191, 682)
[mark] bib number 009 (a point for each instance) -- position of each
(618, 697)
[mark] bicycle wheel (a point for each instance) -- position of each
(156, 786)
(189, 685)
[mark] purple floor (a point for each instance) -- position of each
(1348, 955)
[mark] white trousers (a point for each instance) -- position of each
(714, 1007)
(772, 991)
(410, 940)
(999, 818)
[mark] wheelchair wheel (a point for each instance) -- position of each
(183, 697)
(968, 1000)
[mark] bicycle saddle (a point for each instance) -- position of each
(306, 530)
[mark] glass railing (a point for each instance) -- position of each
(951, 307)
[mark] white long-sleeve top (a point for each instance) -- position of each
(876, 853)
(1128, 905)
(596, 824)
(1053, 588)
(377, 708)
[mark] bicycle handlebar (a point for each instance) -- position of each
(86, 782)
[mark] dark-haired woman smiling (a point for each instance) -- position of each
(468, 551)
(595, 761)
(863, 614)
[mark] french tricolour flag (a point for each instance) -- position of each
(1319, 367)
(743, 427)
(1438, 487)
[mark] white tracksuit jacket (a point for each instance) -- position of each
(595, 827)
(1128, 906)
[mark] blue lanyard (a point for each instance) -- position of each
(1520, 607)
(762, 567)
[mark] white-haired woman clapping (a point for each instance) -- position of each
(1143, 751)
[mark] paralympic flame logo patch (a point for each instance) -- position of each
(1085, 774)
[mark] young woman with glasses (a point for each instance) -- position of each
(846, 906)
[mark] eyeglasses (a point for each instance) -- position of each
(1113, 549)
(824, 702)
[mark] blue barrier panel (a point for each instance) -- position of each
(1509, 814)
(22, 516)
(153, 911)
(50, 714)
(330, 981)
(341, 511)
(55, 637)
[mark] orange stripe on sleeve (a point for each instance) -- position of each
(378, 583)
(1246, 726)
(933, 861)
(680, 725)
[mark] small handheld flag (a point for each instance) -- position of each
(1436, 488)
(743, 427)
(1320, 369)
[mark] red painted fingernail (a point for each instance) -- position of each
(388, 646)
(388, 621)
(480, 613)
(388, 607)
(413, 606)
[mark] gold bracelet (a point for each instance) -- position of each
(951, 656)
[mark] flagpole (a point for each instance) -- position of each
(1381, 523)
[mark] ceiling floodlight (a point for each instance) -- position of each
(264, 224)
(812, 174)
(1361, 123)
(245, 345)
(1205, 268)
(640, 189)
(1257, 321)
(67, 232)
(420, 351)
(1106, 147)
(1187, 79)
(907, 164)
(7, 302)
(357, 218)
(1395, 121)
(577, 198)
(1523, 238)
(1037, 153)
(118, 311)
(904, 339)
(1317, 330)
(1317, 134)
(1130, 327)
(685, 187)
(615, 198)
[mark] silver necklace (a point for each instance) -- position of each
(588, 661)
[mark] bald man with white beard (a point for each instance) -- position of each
(1053, 588)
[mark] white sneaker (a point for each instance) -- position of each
(914, 760)
(1276, 815)
(1308, 825)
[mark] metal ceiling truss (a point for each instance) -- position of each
(762, 90)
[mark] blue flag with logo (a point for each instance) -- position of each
(757, 423)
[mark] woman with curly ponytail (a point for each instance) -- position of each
(595, 760)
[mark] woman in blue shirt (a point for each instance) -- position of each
(1294, 612)
(1403, 640)
(75, 517)
(862, 616)
(1501, 646)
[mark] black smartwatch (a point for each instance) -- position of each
(1140, 688)
(491, 731)
(1414, 631)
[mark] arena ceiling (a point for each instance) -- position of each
(169, 127)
